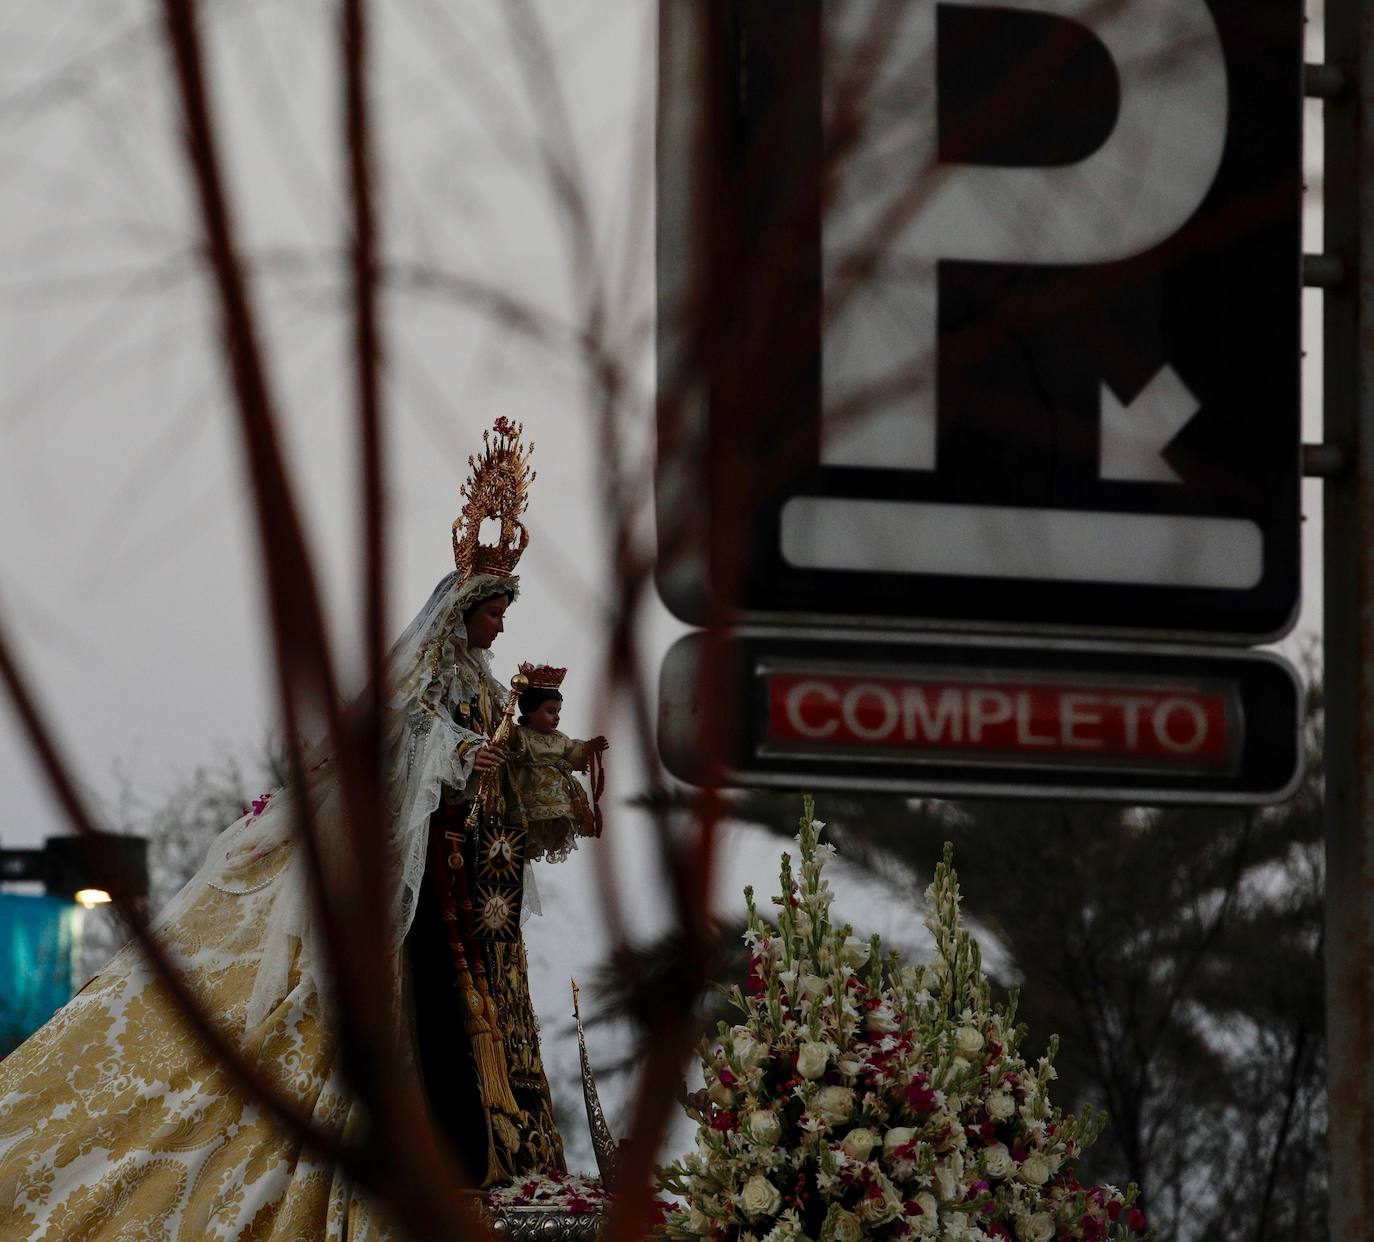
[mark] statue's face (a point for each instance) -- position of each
(486, 621)
(544, 718)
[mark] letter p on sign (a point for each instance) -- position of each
(1139, 187)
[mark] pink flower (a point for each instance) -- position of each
(1114, 1209)
(1136, 1220)
(1092, 1228)
(724, 1122)
(727, 1077)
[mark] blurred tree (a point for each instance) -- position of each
(179, 824)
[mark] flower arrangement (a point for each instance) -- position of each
(862, 1098)
(554, 1192)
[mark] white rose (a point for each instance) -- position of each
(898, 1136)
(882, 1020)
(968, 1042)
(849, 1066)
(760, 1197)
(812, 1058)
(698, 1222)
(1037, 1227)
(858, 1143)
(929, 1219)
(880, 1209)
(1035, 1169)
(845, 1227)
(832, 1104)
(1001, 1105)
(997, 1161)
(855, 952)
(811, 985)
(764, 1125)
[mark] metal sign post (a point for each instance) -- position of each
(1348, 202)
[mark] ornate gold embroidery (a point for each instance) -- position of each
(114, 1083)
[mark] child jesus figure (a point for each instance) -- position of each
(542, 763)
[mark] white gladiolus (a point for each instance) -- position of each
(760, 1197)
(749, 1050)
(882, 1020)
(855, 952)
(948, 1182)
(812, 1058)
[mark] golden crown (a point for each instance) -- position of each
(543, 676)
(496, 489)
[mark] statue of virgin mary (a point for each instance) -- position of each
(113, 1122)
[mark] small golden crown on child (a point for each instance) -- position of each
(543, 676)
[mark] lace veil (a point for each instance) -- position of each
(430, 671)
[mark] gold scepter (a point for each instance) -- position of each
(490, 799)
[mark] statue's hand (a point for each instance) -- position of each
(489, 758)
(597, 744)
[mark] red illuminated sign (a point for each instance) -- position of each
(1056, 721)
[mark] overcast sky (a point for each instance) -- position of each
(128, 573)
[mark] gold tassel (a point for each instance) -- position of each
(488, 1053)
